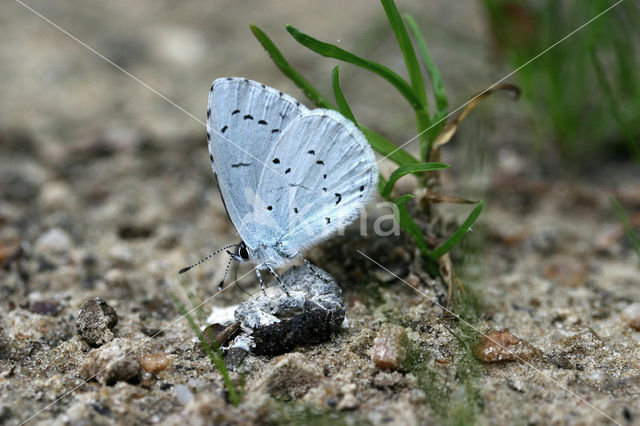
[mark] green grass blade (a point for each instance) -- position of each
(407, 223)
(459, 234)
(388, 148)
(624, 221)
(410, 59)
(614, 107)
(331, 51)
(214, 353)
(437, 85)
(381, 184)
(407, 169)
(197, 306)
(311, 92)
(341, 101)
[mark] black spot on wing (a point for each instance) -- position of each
(235, 112)
(339, 198)
(275, 130)
(211, 157)
(295, 210)
(240, 165)
(287, 171)
(208, 113)
(362, 188)
(276, 161)
(224, 129)
(262, 122)
(311, 151)
(324, 176)
(320, 162)
(328, 219)
(269, 208)
(248, 117)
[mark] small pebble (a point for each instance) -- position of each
(44, 307)
(386, 379)
(631, 316)
(8, 251)
(154, 363)
(567, 271)
(53, 242)
(234, 357)
(96, 321)
(391, 347)
(111, 363)
(501, 346)
(121, 256)
(183, 394)
(292, 376)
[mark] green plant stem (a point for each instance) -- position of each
(212, 350)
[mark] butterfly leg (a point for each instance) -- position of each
(311, 268)
(275, 274)
(260, 280)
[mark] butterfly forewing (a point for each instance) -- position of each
(244, 120)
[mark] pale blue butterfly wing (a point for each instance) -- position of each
(244, 120)
(329, 172)
(289, 176)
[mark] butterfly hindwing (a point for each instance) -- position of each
(244, 120)
(327, 173)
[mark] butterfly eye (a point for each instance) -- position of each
(242, 250)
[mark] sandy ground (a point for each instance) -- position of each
(106, 191)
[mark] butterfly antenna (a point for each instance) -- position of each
(183, 270)
(224, 277)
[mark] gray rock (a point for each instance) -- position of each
(183, 394)
(309, 315)
(95, 322)
(234, 357)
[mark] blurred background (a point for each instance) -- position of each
(106, 188)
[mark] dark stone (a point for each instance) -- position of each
(45, 307)
(234, 357)
(95, 322)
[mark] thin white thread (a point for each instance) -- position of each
(492, 340)
(142, 83)
(502, 79)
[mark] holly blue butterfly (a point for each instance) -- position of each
(289, 176)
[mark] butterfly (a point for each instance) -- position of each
(289, 176)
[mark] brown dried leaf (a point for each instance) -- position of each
(452, 127)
